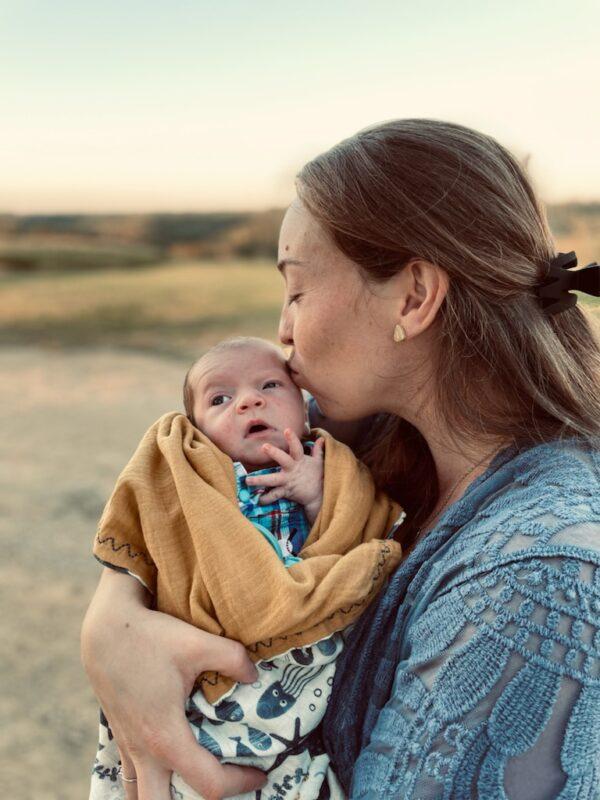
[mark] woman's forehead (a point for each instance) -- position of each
(301, 237)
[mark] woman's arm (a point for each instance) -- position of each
(142, 665)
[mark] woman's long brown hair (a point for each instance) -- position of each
(455, 197)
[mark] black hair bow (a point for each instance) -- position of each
(554, 292)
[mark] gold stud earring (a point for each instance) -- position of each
(399, 333)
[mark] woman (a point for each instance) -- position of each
(422, 293)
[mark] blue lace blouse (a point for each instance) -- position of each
(476, 673)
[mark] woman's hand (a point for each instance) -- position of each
(142, 665)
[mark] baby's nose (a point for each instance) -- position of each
(250, 401)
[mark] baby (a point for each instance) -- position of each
(240, 394)
(310, 549)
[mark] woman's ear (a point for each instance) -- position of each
(424, 289)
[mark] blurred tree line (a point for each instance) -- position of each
(79, 241)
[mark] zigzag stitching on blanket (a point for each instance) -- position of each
(127, 546)
(384, 553)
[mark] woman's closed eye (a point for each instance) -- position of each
(293, 298)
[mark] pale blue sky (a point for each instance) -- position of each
(194, 105)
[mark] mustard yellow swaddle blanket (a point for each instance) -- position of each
(173, 520)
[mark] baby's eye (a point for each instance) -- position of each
(216, 398)
(271, 383)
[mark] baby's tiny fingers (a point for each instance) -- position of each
(270, 479)
(272, 496)
(317, 451)
(282, 458)
(294, 444)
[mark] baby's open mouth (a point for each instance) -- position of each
(257, 429)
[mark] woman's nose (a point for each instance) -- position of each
(285, 328)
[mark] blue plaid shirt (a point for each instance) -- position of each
(283, 523)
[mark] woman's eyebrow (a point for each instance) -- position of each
(281, 265)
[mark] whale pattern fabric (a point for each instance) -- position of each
(271, 724)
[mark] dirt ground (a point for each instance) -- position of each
(68, 423)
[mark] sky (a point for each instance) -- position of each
(189, 105)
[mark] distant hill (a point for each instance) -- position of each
(79, 241)
(565, 218)
(92, 241)
(576, 226)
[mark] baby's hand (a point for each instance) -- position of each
(300, 477)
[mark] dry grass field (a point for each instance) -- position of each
(69, 422)
(173, 308)
(87, 362)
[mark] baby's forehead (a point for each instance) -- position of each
(231, 364)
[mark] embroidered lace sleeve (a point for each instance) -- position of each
(497, 691)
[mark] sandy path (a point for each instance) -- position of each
(69, 422)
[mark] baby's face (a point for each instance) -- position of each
(244, 398)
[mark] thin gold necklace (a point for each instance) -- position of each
(428, 522)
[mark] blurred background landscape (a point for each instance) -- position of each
(147, 154)
(159, 283)
(165, 283)
(100, 317)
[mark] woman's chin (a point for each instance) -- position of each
(337, 412)
(327, 406)
(328, 409)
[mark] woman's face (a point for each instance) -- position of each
(339, 329)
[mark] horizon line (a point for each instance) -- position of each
(216, 210)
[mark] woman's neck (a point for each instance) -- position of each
(458, 459)
(456, 470)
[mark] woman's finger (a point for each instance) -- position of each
(153, 781)
(204, 773)
(278, 455)
(179, 752)
(128, 775)
(209, 652)
(239, 780)
(294, 444)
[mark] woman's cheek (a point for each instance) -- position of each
(311, 333)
